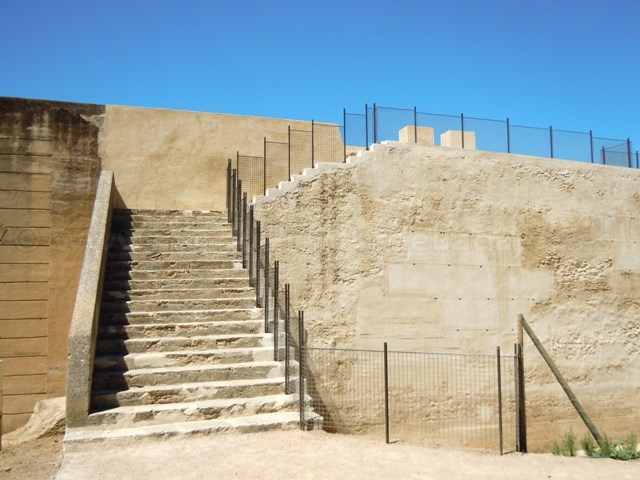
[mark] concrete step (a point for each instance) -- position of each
(181, 358)
(178, 214)
(135, 256)
(177, 274)
(158, 305)
(167, 344)
(119, 240)
(230, 246)
(217, 315)
(177, 293)
(246, 424)
(182, 233)
(143, 377)
(187, 392)
(176, 283)
(183, 329)
(198, 410)
(156, 222)
(173, 265)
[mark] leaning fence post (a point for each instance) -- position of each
(386, 393)
(500, 432)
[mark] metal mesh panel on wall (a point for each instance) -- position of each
(328, 145)
(251, 172)
(300, 151)
(276, 160)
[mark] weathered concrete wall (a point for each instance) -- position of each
(438, 249)
(48, 172)
(178, 160)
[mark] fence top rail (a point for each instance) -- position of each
(278, 143)
(442, 354)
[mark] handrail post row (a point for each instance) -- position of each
(500, 432)
(239, 215)
(244, 229)
(301, 353)
(251, 244)
(257, 278)
(276, 287)
(386, 393)
(229, 191)
(266, 285)
(287, 306)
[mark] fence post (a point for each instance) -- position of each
(301, 353)
(266, 285)
(264, 166)
(276, 287)
(386, 393)
(239, 215)
(244, 230)
(415, 125)
(629, 151)
(375, 124)
(604, 157)
(551, 140)
(313, 144)
(289, 151)
(251, 244)
(233, 201)
(508, 136)
(229, 191)
(344, 134)
(287, 306)
(591, 144)
(500, 432)
(258, 264)
(366, 126)
(462, 128)
(521, 417)
(637, 159)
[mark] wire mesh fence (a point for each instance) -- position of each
(445, 399)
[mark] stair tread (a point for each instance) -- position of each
(220, 351)
(189, 368)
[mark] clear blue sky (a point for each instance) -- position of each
(567, 63)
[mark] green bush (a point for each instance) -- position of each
(567, 447)
(625, 449)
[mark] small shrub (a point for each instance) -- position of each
(625, 449)
(589, 445)
(567, 447)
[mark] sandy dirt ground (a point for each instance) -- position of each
(292, 454)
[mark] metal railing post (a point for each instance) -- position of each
(386, 394)
(591, 144)
(264, 166)
(462, 128)
(289, 151)
(366, 126)
(233, 201)
(244, 229)
(344, 134)
(287, 306)
(551, 139)
(266, 285)
(629, 151)
(313, 145)
(251, 245)
(508, 136)
(239, 215)
(258, 264)
(375, 124)
(229, 191)
(500, 432)
(604, 157)
(415, 125)
(301, 354)
(276, 287)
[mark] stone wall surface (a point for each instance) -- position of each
(178, 160)
(48, 173)
(438, 249)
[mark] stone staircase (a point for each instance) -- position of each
(181, 347)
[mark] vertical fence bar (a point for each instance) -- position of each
(313, 145)
(375, 124)
(462, 128)
(366, 126)
(239, 215)
(591, 144)
(289, 152)
(251, 245)
(264, 166)
(233, 201)
(266, 285)
(508, 136)
(551, 140)
(229, 191)
(276, 288)
(637, 159)
(287, 306)
(500, 432)
(415, 125)
(604, 156)
(301, 354)
(344, 135)
(522, 416)
(257, 264)
(386, 393)
(244, 230)
(629, 151)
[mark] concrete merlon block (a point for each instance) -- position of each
(421, 135)
(453, 138)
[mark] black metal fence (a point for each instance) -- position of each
(381, 123)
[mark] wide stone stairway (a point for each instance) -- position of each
(181, 346)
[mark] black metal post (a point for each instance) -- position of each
(313, 145)
(289, 150)
(276, 288)
(301, 354)
(415, 125)
(229, 191)
(266, 285)
(287, 307)
(462, 128)
(258, 264)
(522, 417)
(251, 245)
(386, 393)
(375, 124)
(604, 157)
(366, 126)
(591, 144)
(508, 136)
(239, 215)
(233, 201)
(244, 230)
(629, 151)
(500, 402)
(551, 139)
(264, 167)
(637, 159)
(344, 134)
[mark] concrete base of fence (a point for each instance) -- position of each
(453, 138)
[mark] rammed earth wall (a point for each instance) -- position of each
(437, 249)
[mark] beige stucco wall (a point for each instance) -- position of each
(177, 159)
(438, 249)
